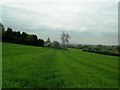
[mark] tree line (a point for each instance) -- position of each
(18, 37)
(113, 50)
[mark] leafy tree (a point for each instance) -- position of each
(16, 37)
(41, 42)
(118, 48)
(2, 31)
(55, 44)
(98, 47)
(48, 43)
(9, 35)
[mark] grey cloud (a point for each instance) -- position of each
(95, 23)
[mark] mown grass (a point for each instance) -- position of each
(37, 67)
(0, 65)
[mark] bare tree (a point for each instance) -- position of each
(67, 36)
(64, 38)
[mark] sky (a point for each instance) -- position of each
(86, 21)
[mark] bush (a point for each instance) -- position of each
(55, 44)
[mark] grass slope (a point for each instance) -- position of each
(0, 65)
(36, 67)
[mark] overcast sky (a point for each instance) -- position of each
(92, 22)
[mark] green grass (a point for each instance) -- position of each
(0, 65)
(37, 67)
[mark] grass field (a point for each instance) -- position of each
(37, 67)
(0, 65)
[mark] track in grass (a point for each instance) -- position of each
(37, 67)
